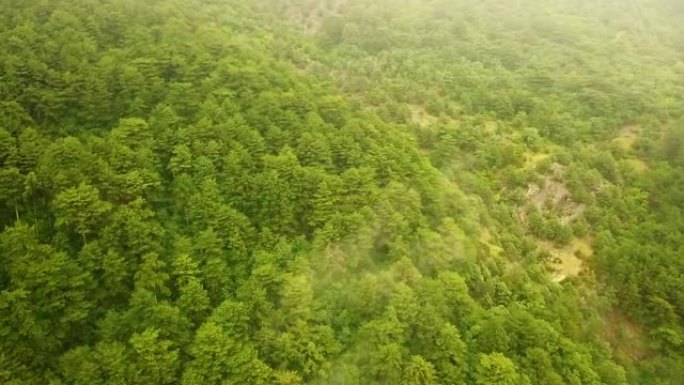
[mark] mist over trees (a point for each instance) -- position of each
(413, 192)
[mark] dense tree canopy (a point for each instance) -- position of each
(414, 192)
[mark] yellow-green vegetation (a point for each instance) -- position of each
(487, 240)
(627, 138)
(344, 192)
(568, 260)
(420, 116)
(533, 160)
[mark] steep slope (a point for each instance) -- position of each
(198, 192)
(557, 109)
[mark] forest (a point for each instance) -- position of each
(344, 192)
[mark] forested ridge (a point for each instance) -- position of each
(413, 192)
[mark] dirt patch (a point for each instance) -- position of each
(554, 196)
(550, 192)
(567, 261)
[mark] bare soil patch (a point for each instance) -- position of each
(568, 261)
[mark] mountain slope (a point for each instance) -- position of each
(200, 192)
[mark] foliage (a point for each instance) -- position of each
(364, 192)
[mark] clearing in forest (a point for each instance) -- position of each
(568, 261)
(420, 115)
(625, 141)
(626, 337)
(554, 195)
(627, 137)
(533, 159)
(487, 239)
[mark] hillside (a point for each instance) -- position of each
(413, 192)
